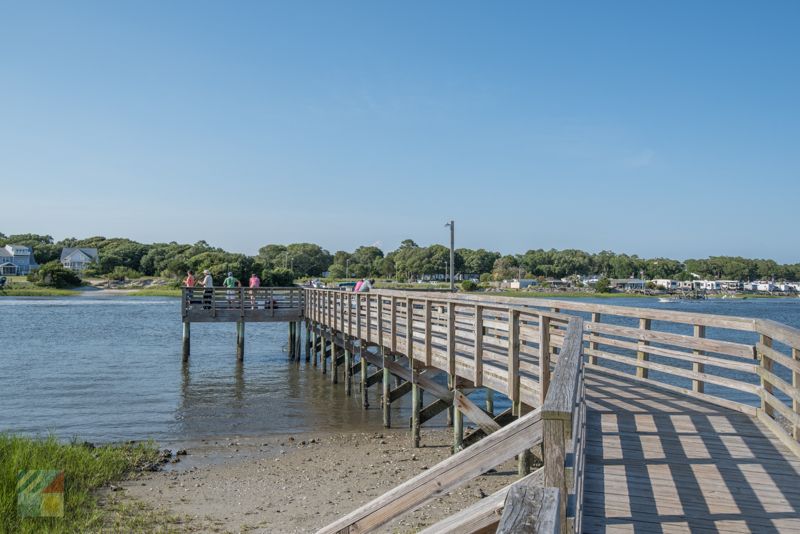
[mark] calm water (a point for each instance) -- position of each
(109, 368)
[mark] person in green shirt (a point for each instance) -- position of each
(230, 283)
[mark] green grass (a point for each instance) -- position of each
(156, 293)
(34, 291)
(86, 470)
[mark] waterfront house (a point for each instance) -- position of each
(665, 283)
(708, 285)
(519, 284)
(17, 260)
(78, 259)
(685, 284)
(626, 283)
(731, 285)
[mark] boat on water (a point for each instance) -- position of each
(665, 299)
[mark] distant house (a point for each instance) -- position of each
(731, 285)
(708, 285)
(665, 283)
(17, 260)
(626, 283)
(78, 259)
(520, 284)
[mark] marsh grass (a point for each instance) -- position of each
(33, 291)
(155, 293)
(86, 471)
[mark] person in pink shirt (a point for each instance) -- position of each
(254, 282)
(189, 282)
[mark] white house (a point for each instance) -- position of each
(78, 259)
(667, 284)
(627, 283)
(708, 284)
(17, 260)
(731, 285)
(520, 284)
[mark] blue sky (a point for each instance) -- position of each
(647, 128)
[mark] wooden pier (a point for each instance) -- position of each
(631, 437)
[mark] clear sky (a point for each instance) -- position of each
(650, 128)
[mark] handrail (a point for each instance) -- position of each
(507, 343)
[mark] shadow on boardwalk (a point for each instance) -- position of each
(660, 462)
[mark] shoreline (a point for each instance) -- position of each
(302, 482)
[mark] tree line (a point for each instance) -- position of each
(277, 264)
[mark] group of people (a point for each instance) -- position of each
(230, 282)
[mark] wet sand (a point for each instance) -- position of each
(301, 483)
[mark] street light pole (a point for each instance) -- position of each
(286, 260)
(347, 272)
(292, 264)
(452, 225)
(445, 270)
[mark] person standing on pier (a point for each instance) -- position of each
(208, 283)
(254, 282)
(230, 282)
(190, 281)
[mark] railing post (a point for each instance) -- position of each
(393, 325)
(428, 349)
(379, 321)
(555, 455)
(241, 302)
(358, 316)
(513, 361)
(271, 302)
(544, 357)
(184, 292)
(410, 334)
(478, 322)
(593, 345)
(213, 302)
(697, 367)
(796, 383)
(766, 364)
(387, 388)
(641, 372)
(451, 339)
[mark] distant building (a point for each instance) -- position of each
(77, 259)
(626, 283)
(708, 285)
(520, 284)
(665, 283)
(17, 260)
(731, 285)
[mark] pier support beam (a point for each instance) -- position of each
(308, 342)
(364, 385)
(490, 401)
(186, 341)
(240, 341)
(387, 387)
(298, 344)
(348, 372)
(416, 407)
(322, 362)
(314, 348)
(458, 430)
(450, 408)
(334, 363)
(290, 347)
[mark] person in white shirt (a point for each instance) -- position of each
(208, 282)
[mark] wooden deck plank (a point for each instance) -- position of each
(658, 462)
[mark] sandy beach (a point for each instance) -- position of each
(301, 483)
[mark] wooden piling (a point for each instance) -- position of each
(240, 341)
(490, 401)
(416, 406)
(348, 371)
(458, 431)
(308, 341)
(364, 385)
(334, 363)
(290, 346)
(387, 377)
(314, 348)
(323, 348)
(450, 408)
(186, 340)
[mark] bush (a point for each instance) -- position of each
(469, 285)
(279, 277)
(123, 273)
(53, 274)
(487, 277)
(602, 285)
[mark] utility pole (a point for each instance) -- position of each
(452, 225)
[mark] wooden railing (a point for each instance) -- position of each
(507, 348)
(238, 304)
(747, 364)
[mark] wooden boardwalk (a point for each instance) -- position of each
(661, 462)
